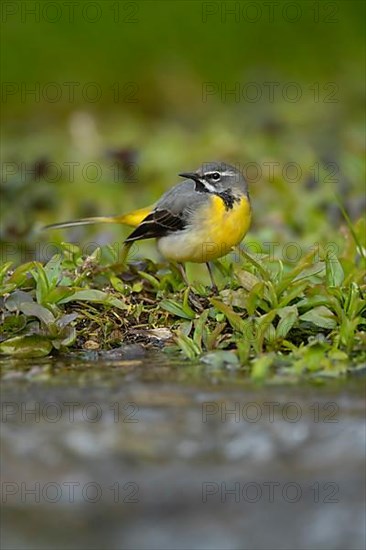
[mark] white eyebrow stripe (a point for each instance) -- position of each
(221, 173)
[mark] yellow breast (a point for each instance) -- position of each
(213, 232)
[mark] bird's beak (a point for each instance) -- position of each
(190, 175)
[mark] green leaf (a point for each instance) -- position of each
(186, 306)
(247, 279)
(320, 316)
(42, 285)
(306, 262)
(53, 270)
(312, 357)
(313, 301)
(177, 309)
(155, 283)
(186, 344)
(236, 298)
(65, 338)
(71, 252)
(4, 270)
(221, 358)
(57, 294)
(21, 274)
(185, 327)
(264, 329)
(200, 327)
(18, 297)
(7, 288)
(12, 324)
(117, 283)
(66, 319)
(234, 319)
(288, 316)
(211, 339)
(333, 271)
(294, 291)
(355, 235)
(260, 367)
(33, 345)
(35, 310)
(137, 287)
(94, 295)
(255, 299)
(265, 274)
(355, 303)
(316, 269)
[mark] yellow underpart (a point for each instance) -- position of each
(213, 232)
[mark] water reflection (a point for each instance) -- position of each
(148, 452)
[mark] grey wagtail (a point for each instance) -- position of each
(198, 220)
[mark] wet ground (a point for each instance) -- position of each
(144, 453)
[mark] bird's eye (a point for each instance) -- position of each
(215, 176)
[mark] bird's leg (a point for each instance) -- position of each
(194, 302)
(210, 271)
(183, 273)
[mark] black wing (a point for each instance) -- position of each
(157, 224)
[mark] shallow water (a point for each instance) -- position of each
(143, 451)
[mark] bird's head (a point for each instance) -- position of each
(217, 177)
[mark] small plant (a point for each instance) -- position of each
(302, 319)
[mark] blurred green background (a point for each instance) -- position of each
(131, 93)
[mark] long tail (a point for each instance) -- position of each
(132, 219)
(84, 221)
